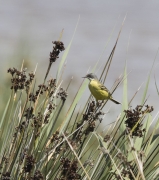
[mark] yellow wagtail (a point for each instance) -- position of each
(98, 90)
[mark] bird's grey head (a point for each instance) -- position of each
(91, 76)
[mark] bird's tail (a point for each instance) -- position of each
(116, 102)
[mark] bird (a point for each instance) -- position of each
(98, 90)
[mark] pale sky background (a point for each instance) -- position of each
(27, 29)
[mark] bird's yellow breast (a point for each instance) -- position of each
(97, 91)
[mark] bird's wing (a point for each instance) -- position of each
(104, 88)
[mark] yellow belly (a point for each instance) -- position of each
(97, 92)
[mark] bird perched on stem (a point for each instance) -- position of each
(98, 90)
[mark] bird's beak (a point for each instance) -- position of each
(84, 77)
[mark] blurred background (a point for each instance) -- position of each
(27, 29)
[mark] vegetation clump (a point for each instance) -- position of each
(38, 141)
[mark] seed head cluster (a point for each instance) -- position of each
(106, 138)
(91, 116)
(126, 171)
(37, 176)
(51, 87)
(37, 123)
(56, 137)
(19, 79)
(30, 161)
(63, 94)
(57, 48)
(6, 176)
(69, 170)
(134, 119)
